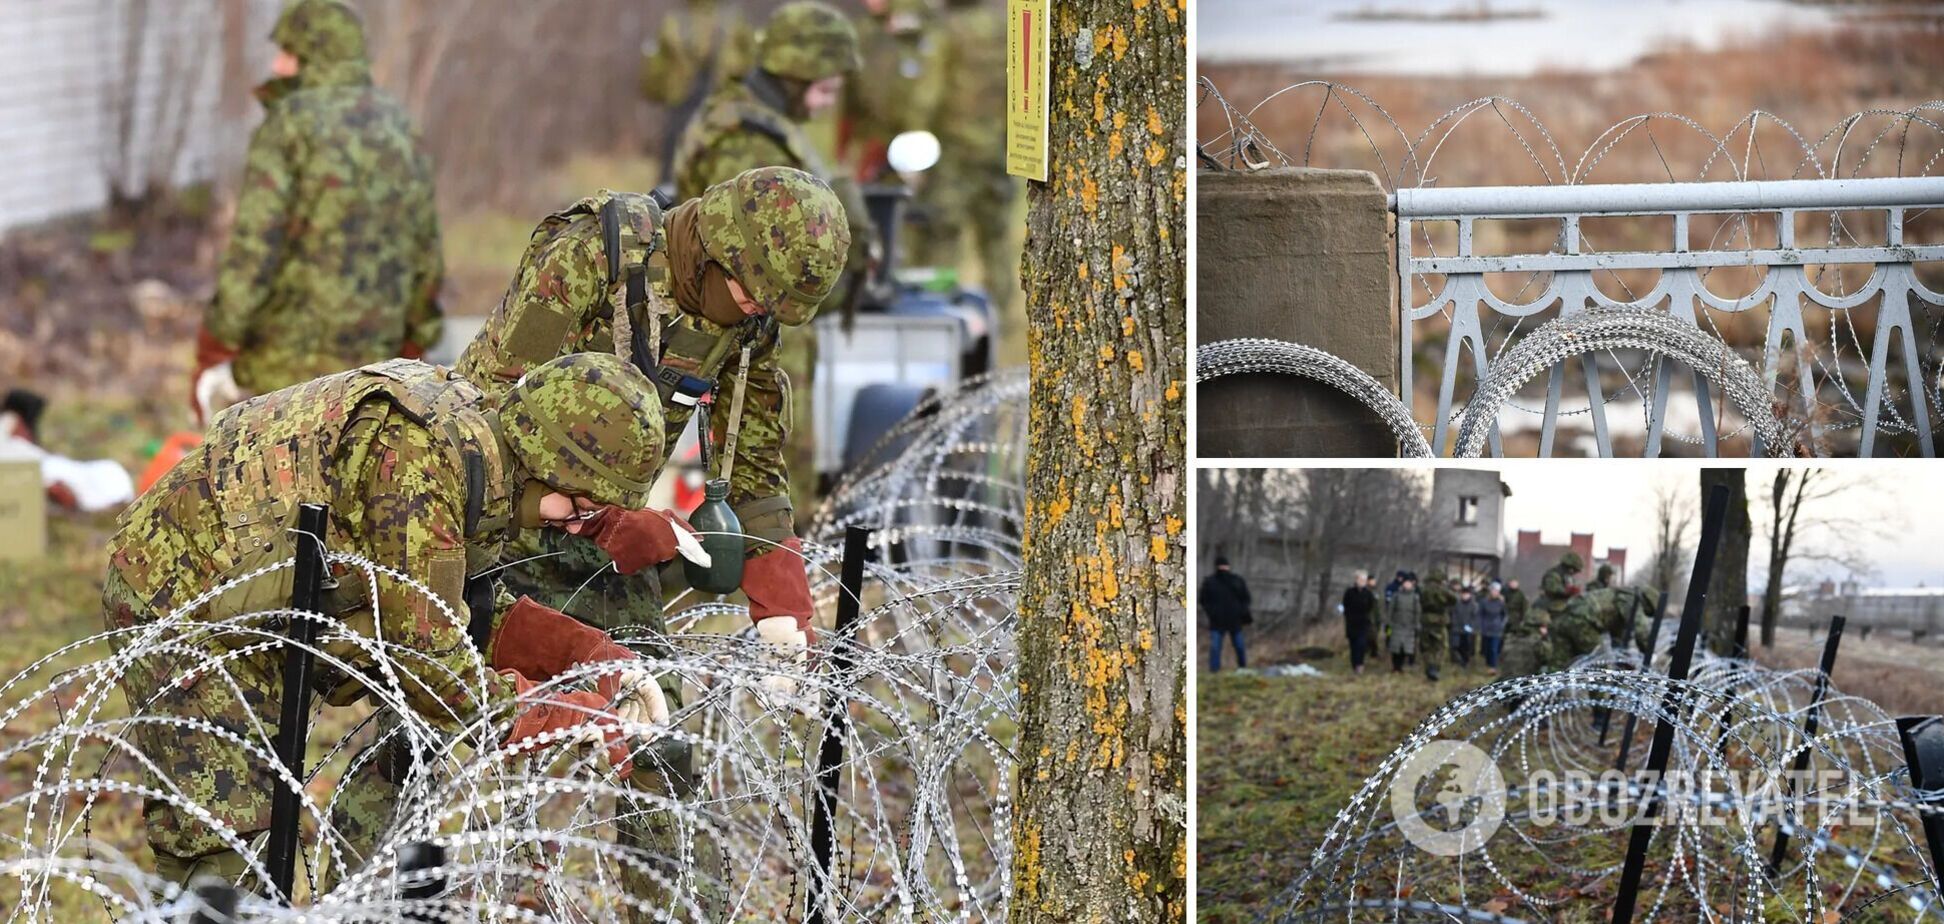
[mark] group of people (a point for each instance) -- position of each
(1427, 622)
(514, 485)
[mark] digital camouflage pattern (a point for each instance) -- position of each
(382, 446)
(1434, 622)
(782, 234)
(697, 45)
(559, 303)
(969, 191)
(838, 221)
(588, 425)
(807, 41)
(334, 259)
(746, 125)
(1527, 648)
(898, 86)
(1557, 596)
(388, 448)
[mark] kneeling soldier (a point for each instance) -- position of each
(423, 474)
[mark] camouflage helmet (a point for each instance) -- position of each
(588, 425)
(1572, 562)
(320, 32)
(807, 40)
(782, 235)
(1605, 572)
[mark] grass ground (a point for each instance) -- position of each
(1277, 759)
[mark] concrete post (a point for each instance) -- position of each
(1301, 255)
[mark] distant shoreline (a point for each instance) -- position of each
(1481, 13)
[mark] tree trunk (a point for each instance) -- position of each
(1100, 827)
(1728, 588)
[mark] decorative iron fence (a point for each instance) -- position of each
(1564, 276)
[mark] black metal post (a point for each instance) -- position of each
(830, 756)
(1677, 671)
(417, 857)
(217, 901)
(1646, 665)
(1741, 632)
(1923, 745)
(293, 726)
(1740, 652)
(1809, 726)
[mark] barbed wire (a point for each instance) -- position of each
(1733, 719)
(922, 699)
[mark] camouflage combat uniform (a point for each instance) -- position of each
(898, 86)
(1402, 616)
(334, 259)
(969, 189)
(564, 300)
(696, 47)
(1527, 648)
(752, 122)
(1575, 629)
(1434, 623)
(420, 470)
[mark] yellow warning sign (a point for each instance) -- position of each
(1026, 75)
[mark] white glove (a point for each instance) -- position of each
(690, 547)
(787, 645)
(641, 700)
(216, 389)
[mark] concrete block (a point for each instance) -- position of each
(1302, 255)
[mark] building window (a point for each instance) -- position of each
(1468, 511)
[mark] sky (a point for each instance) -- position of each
(1904, 518)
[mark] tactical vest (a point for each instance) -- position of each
(736, 108)
(269, 454)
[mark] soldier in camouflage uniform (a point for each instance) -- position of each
(334, 259)
(698, 44)
(423, 473)
(1434, 623)
(970, 189)
(710, 290)
(1401, 616)
(758, 122)
(1575, 630)
(899, 87)
(1528, 641)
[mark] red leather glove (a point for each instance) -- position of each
(411, 351)
(538, 641)
(635, 539)
(561, 709)
(777, 585)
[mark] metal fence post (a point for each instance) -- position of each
(1923, 746)
(216, 901)
(418, 857)
(293, 726)
(1677, 671)
(1646, 665)
(1809, 726)
(830, 756)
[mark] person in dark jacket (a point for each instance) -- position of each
(1491, 626)
(1358, 602)
(1464, 627)
(1225, 598)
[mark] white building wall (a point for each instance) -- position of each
(62, 63)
